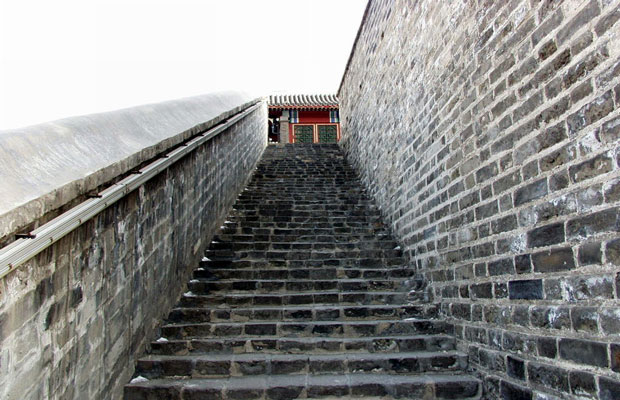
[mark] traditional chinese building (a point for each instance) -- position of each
(304, 119)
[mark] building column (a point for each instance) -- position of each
(284, 126)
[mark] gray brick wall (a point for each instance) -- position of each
(73, 319)
(488, 134)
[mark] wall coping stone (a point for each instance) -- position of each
(46, 166)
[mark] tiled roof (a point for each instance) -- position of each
(304, 101)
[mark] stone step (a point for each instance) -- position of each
(278, 299)
(334, 211)
(308, 216)
(342, 202)
(197, 286)
(363, 214)
(252, 226)
(361, 263)
(324, 257)
(285, 387)
(338, 241)
(220, 365)
(304, 345)
(318, 246)
(355, 214)
(304, 273)
(308, 193)
(299, 313)
(283, 251)
(240, 217)
(366, 234)
(385, 257)
(352, 329)
(325, 236)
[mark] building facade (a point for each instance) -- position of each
(304, 119)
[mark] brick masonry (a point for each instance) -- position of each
(488, 134)
(74, 319)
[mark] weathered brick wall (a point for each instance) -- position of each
(488, 133)
(73, 319)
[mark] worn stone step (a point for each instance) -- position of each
(317, 235)
(299, 313)
(304, 273)
(356, 234)
(315, 251)
(303, 345)
(285, 242)
(285, 387)
(220, 365)
(365, 234)
(314, 214)
(345, 258)
(283, 251)
(252, 222)
(311, 218)
(302, 229)
(362, 263)
(307, 328)
(335, 204)
(340, 203)
(197, 286)
(278, 299)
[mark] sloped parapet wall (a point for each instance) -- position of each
(46, 166)
(74, 318)
(488, 132)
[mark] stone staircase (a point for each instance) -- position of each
(303, 294)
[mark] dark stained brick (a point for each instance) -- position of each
(585, 319)
(515, 368)
(609, 389)
(557, 158)
(501, 267)
(548, 376)
(547, 346)
(527, 193)
(504, 224)
(560, 259)
(550, 317)
(584, 352)
(585, 66)
(511, 391)
(591, 112)
(612, 251)
(531, 289)
(590, 253)
(591, 224)
(547, 50)
(481, 291)
(591, 168)
(581, 91)
(610, 131)
(546, 235)
(523, 263)
(582, 383)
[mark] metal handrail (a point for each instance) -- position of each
(23, 249)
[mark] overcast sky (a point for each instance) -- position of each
(60, 58)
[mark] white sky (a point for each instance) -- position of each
(69, 57)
